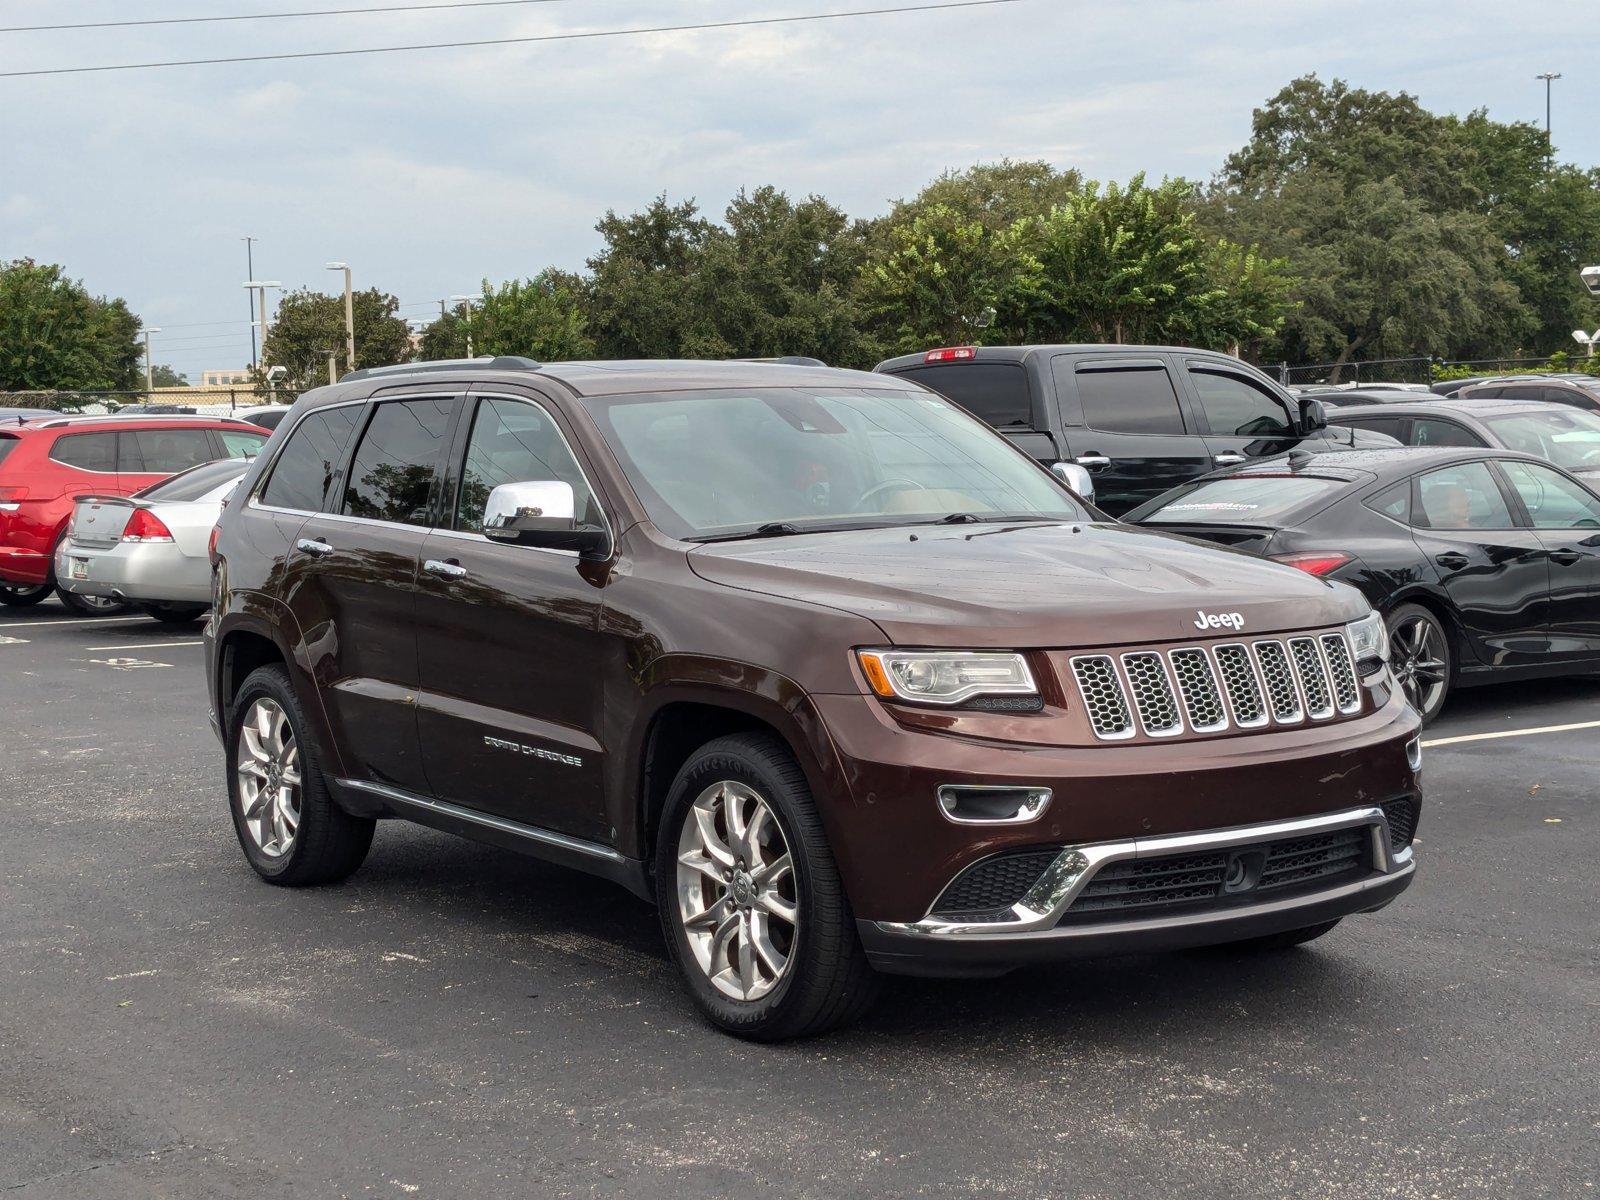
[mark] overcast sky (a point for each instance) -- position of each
(431, 170)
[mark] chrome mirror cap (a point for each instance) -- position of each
(1075, 477)
(516, 510)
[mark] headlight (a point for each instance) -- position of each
(1369, 639)
(946, 676)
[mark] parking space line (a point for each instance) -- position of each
(145, 646)
(70, 622)
(1510, 733)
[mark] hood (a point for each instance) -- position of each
(1031, 586)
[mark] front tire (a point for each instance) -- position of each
(289, 827)
(22, 595)
(751, 902)
(1421, 658)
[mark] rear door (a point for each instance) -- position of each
(1566, 517)
(1123, 421)
(1494, 567)
(146, 456)
(353, 581)
(1243, 418)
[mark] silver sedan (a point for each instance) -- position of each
(151, 549)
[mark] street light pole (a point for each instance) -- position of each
(250, 273)
(1549, 78)
(149, 366)
(349, 317)
(260, 286)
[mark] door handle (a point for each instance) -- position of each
(444, 570)
(1567, 558)
(1229, 458)
(1093, 461)
(1453, 561)
(317, 548)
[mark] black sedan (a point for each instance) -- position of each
(1557, 433)
(1485, 564)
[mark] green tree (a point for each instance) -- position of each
(639, 293)
(309, 325)
(996, 195)
(540, 318)
(55, 336)
(941, 278)
(163, 376)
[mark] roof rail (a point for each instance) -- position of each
(503, 362)
(787, 360)
(58, 422)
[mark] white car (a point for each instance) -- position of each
(151, 549)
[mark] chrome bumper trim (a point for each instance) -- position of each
(1075, 866)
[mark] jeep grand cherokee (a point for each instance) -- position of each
(821, 665)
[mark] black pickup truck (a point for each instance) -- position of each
(1140, 419)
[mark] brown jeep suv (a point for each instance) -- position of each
(815, 661)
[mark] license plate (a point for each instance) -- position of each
(80, 568)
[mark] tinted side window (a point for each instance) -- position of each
(87, 451)
(992, 392)
(1393, 502)
(1462, 497)
(236, 443)
(304, 469)
(1385, 425)
(1428, 431)
(1516, 391)
(397, 460)
(514, 442)
(1132, 400)
(1553, 501)
(167, 451)
(1237, 408)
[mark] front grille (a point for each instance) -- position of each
(990, 887)
(1134, 887)
(1402, 815)
(1205, 690)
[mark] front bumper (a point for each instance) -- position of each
(146, 571)
(1033, 930)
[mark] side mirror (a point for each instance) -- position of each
(1075, 477)
(1313, 416)
(541, 513)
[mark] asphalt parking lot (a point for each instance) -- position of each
(458, 1021)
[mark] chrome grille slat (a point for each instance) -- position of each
(1153, 697)
(1312, 676)
(1342, 670)
(1197, 685)
(1210, 689)
(1243, 686)
(1096, 675)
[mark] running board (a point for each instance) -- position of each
(589, 857)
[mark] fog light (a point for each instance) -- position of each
(977, 804)
(1414, 753)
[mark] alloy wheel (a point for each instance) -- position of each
(1418, 660)
(736, 891)
(269, 778)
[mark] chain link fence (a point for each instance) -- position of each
(196, 401)
(1421, 369)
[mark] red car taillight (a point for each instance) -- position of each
(145, 526)
(211, 544)
(1314, 564)
(951, 354)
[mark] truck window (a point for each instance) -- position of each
(992, 392)
(1235, 407)
(1129, 400)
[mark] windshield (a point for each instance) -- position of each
(734, 462)
(197, 483)
(1569, 438)
(1245, 500)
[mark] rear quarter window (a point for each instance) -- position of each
(993, 392)
(86, 452)
(309, 458)
(7, 445)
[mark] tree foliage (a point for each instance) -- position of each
(310, 325)
(54, 335)
(540, 318)
(164, 376)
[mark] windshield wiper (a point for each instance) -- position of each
(770, 529)
(961, 518)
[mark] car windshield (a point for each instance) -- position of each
(770, 461)
(1569, 438)
(1241, 500)
(197, 482)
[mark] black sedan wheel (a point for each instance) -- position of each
(21, 595)
(1421, 659)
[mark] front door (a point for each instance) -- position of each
(1244, 419)
(352, 586)
(1496, 569)
(1566, 516)
(511, 655)
(1123, 422)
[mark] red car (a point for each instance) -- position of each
(47, 463)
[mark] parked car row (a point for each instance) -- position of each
(65, 475)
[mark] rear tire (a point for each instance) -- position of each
(289, 827)
(22, 595)
(91, 606)
(174, 614)
(777, 924)
(1286, 940)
